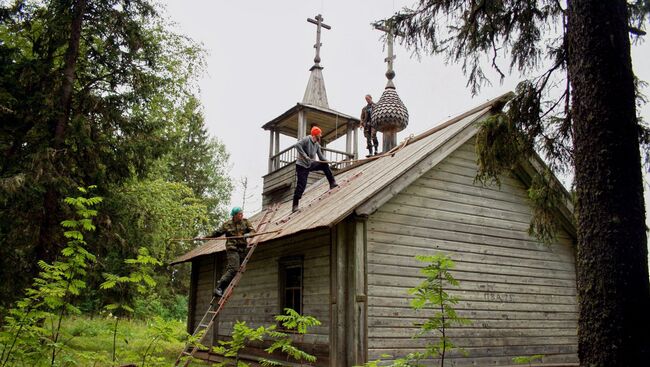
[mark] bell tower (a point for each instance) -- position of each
(296, 122)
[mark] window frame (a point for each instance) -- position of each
(285, 263)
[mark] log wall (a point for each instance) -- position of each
(519, 294)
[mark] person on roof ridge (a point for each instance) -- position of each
(366, 124)
(236, 248)
(308, 149)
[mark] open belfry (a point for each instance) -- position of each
(296, 123)
(347, 256)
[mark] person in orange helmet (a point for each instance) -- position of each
(308, 149)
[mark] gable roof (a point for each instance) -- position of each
(369, 183)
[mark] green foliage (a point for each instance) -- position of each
(241, 335)
(431, 293)
(546, 197)
(156, 341)
(140, 278)
(502, 143)
(410, 360)
(151, 213)
(282, 341)
(498, 148)
(528, 359)
(196, 160)
(532, 37)
(134, 123)
(292, 320)
(33, 326)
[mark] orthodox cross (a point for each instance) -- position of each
(390, 35)
(319, 23)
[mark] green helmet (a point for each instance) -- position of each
(235, 210)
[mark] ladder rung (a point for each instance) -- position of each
(222, 300)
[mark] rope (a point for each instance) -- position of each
(390, 152)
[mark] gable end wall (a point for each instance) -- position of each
(519, 294)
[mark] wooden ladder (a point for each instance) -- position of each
(210, 315)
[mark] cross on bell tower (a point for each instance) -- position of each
(319, 24)
(315, 93)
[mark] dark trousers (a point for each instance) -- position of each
(302, 173)
(371, 138)
(234, 258)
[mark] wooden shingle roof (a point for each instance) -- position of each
(367, 184)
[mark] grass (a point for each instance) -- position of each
(91, 341)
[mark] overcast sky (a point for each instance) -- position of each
(260, 53)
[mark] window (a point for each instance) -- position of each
(291, 283)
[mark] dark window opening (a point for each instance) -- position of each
(291, 271)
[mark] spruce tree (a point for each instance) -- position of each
(589, 126)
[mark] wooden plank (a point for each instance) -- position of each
(402, 305)
(475, 342)
(413, 206)
(483, 269)
(460, 208)
(460, 256)
(385, 243)
(476, 356)
(334, 304)
(375, 312)
(389, 294)
(435, 179)
(405, 227)
(408, 177)
(421, 191)
(454, 173)
(524, 324)
(461, 335)
(256, 298)
(478, 286)
(341, 296)
(392, 280)
(359, 301)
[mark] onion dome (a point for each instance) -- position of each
(389, 113)
(389, 116)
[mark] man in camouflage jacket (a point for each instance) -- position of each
(236, 248)
(369, 131)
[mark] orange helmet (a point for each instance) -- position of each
(315, 131)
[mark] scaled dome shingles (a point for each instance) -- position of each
(389, 113)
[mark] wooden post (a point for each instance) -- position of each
(302, 124)
(348, 138)
(389, 140)
(359, 352)
(356, 143)
(340, 343)
(271, 165)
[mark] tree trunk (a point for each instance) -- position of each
(51, 198)
(612, 270)
(69, 68)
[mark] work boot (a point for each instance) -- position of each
(333, 185)
(294, 208)
(218, 292)
(369, 152)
